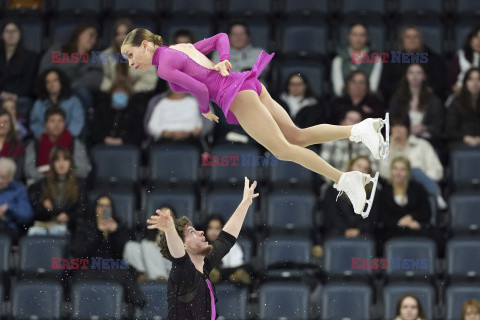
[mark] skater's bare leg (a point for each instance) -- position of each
(257, 121)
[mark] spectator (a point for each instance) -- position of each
(338, 153)
(463, 118)
(37, 154)
(18, 121)
(340, 218)
(298, 100)
(15, 210)
(10, 145)
(145, 257)
(344, 62)
(84, 73)
(409, 308)
(175, 118)
(18, 67)
(102, 235)
(426, 166)
(411, 41)
(119, 70)
(468, 57)
(356, 94)
(57, 199)
(243, 54)
(415, 100)
(233, 266)
(117, 118)
(470, 310)
(54, 90)
(406, 202)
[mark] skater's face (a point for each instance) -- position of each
(195, 242)
(239, 37)
(357, 37)
(362, 165)
(139, 57)
(473, 83)
(296, 86)
(213, 230)
(472, 313)
(415, 75)
(399, 173)
(412, 40)
(409, 309)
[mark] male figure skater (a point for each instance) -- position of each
(190, 293)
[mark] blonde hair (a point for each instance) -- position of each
(470, 303)
(135, 37)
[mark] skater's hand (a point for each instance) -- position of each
(210, 116)
(162, 221)
(223, 67)
(248, 194)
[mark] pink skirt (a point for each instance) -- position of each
(237, 81)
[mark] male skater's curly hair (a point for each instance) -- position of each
(180, 225)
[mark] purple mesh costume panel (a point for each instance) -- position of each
(186, 75)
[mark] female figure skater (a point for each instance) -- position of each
(245, 101)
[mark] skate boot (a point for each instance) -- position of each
(368, 132)
(353, 184)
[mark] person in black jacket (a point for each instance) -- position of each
(118, 121)
(58, 200)
(102, 235)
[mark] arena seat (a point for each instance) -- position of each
(97, 299)
(284, 251)
(463, 257)
(346, 300)
(456, 294)
(183, 202)
(414, 7)
(305, 7)
(61, 28)
(463, 208)
(432, 29)
(357, 8)
(192, 8)
(392, 292)
(284, 300)
(467, 8)
(156, 296)
(5, 244)
(232, 301)
(36, 300)
(314, 71)
(123, 201)
(85, 7)
(377, 31)
(126, 7)
(248, 8)
(260, 31)
(36, 254)
(33, 32)
(288, 173)
(247, 248)
(2, 302)
(201, 27)
(464, 162)
(303, 38)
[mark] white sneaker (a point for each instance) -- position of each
(368, 132)
(353, 184)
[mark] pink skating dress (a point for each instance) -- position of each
(186, 75)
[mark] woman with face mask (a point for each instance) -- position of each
(117, 120)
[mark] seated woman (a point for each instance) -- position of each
(470, 310)
(340, 218)
(409, 308)
(233, 266)
(100, 234)
(58, 200)
(300, 103)
(19, 123)
(10, 144)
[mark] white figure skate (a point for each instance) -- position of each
(368, 132)
(353, 184)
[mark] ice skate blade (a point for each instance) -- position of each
(384, 147)
(369, 202)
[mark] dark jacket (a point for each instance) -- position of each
(458, 125)
(339, 105)
(19, 74)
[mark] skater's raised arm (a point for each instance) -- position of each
(163, 221)
(234, 224)
(220, 42)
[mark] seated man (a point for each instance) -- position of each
(190, 292)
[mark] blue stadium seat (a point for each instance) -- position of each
(97, 299)
(174, 164)
(192, 7)
(456, 295)
(348, 300)
(464, 212)
(234, 174)
(260, 31)
(288, 173)
(2, 301)
(463, 256)
(360, 8)
(36, 253)
(232, 301)
(409, 7)
(183, 202)
(305, 7)
(247, 248)
(284, 300)
(293, 211)
(461, 30)
(304, 38)
(67, 7)
(144, 7)
(464, 162)
(36, 300)
(410, 256)
(156, 296)
(33, 32)
(392, 292)
(248, 8)
(314, 71)
(126, 168)
(224, 202)
(61, 28)
(123, 201)
(467, 7)
(5, 244)
(286, 250)
(339, 252)
(200, 27)
(377, 32)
